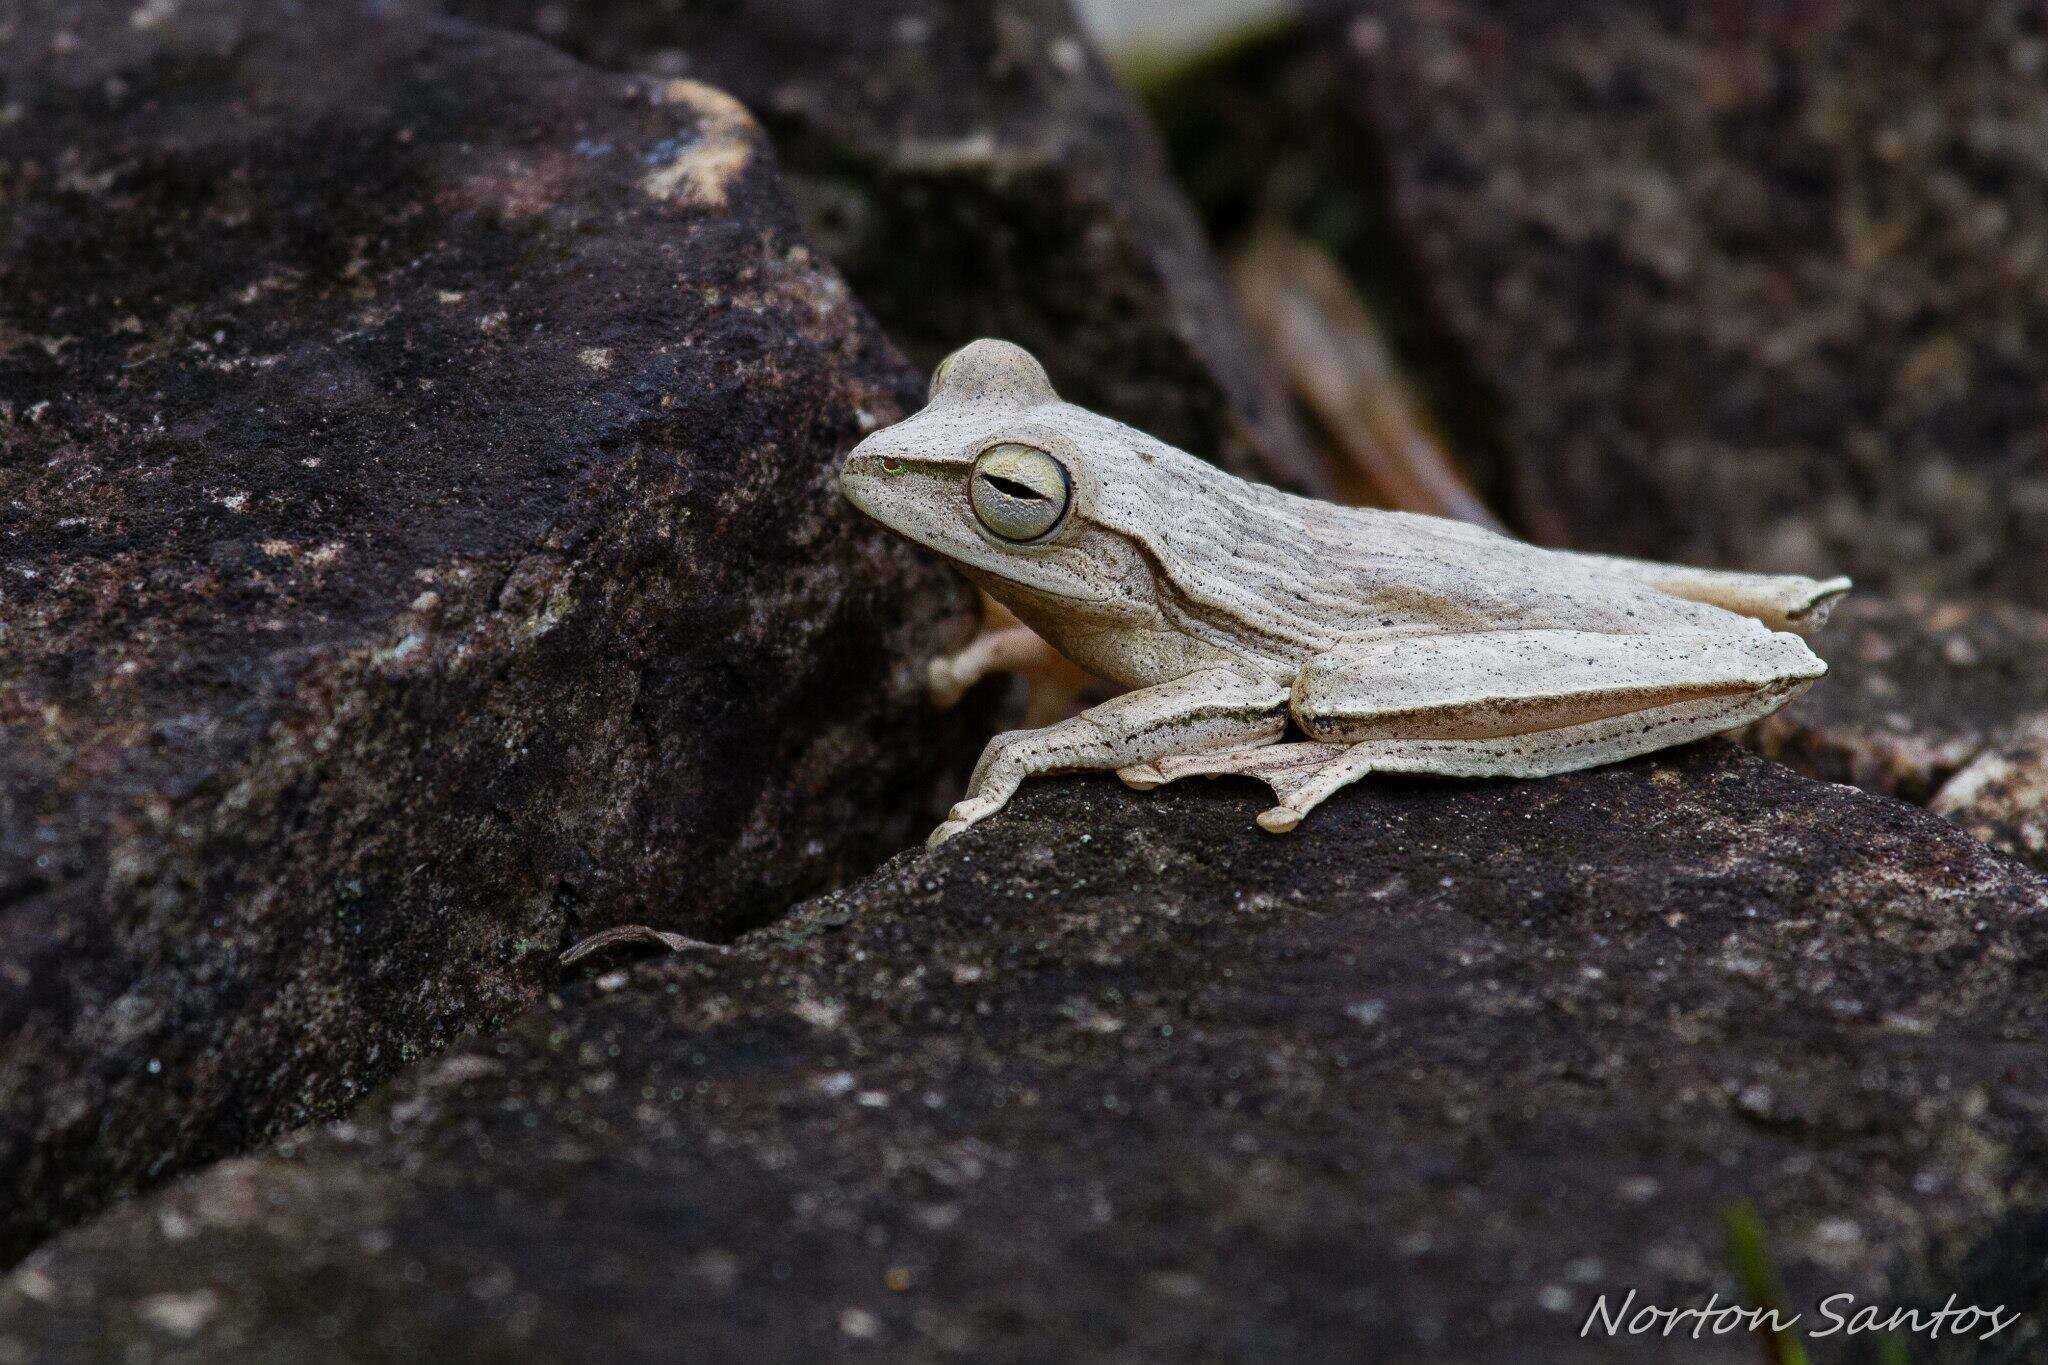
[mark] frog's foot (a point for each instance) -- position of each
(1142, 777)
(1002, 649)
(1293, 771)
(1145, 776)
(965, 815)
(945, 682)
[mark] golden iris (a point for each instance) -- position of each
(1019, 492)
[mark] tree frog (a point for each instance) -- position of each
(1294, 641)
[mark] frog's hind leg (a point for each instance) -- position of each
(1541, 753)
(1780, 601)
(1508, 704)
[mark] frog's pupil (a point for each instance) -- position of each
(1013, 488)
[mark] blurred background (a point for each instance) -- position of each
(1138, 31)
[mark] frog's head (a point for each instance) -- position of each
(998, 475)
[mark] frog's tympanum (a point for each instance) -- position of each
(1392, 642)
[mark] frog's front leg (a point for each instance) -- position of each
(1006, 645)
(1206, 711)
(1018, 649)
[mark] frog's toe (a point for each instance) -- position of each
(972, 811)
(1279, 819)
(1142, 776)
(974, 808)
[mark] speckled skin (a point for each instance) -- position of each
(1395, 642)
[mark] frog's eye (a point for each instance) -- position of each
(1019, 492)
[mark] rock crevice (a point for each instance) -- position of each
(420, 545)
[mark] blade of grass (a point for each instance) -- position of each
(1757, 1278)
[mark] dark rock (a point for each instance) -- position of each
(2001, 795)
(1118, 1076)
(1256, 130)
(1916, 688)
(975, 171)
(1942, 703)
(419, 544)
(1754, 285)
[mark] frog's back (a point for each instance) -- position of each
(1370, 573)
(1425, 573)
(1288, 577)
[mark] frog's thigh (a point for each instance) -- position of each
(1510, 694)
(1528, 703)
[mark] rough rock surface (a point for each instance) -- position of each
(1755, 285)
(418, 543)
(1118, 1076)
(2001, 795)
(975, 171)
(1941, 703)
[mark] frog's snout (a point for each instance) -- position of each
(861, 473)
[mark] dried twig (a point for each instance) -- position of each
(635, 933)
(1313, 322)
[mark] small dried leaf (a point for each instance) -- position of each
(634, 933)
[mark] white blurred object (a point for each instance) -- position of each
(1155, 30)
